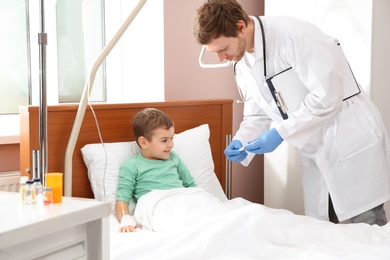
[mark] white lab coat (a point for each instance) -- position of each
(344, 147)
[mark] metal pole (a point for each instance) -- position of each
(42, 42)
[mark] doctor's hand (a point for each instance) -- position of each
(232, 152)
(265, 143)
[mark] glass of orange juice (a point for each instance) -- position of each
(54, 180)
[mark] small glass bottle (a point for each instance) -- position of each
(22, 182)
(47, 195)
(38, 190)
(29, 193)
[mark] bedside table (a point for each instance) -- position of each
(74, 229)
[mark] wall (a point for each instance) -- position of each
(184, 79)
(9, 157)
(138, 54)
(380, 60)
(9, 143)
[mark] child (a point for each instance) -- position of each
(155, 167)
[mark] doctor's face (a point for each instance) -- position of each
(228, 48)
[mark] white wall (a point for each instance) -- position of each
(350, 22)
(380, 76)
(135, 67)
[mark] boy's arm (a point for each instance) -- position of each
(126, 183)
(121, 208)
(185, 175)
(127, 222)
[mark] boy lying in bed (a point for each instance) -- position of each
(156, 167)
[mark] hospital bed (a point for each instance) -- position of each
(198, 223)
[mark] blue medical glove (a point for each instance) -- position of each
(265, 143)
(232, 152)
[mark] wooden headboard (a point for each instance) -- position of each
(115, 126)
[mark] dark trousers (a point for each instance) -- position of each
(373, 216)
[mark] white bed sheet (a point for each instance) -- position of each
(192, 224)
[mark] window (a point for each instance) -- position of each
(79, 42)
(133, 71)
(14, 53)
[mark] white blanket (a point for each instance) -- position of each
(192, 224)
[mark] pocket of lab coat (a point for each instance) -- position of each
(354, 132)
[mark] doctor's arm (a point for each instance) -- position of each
(265, 143)
(255, 121)
(317, 61)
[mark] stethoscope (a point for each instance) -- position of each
(202, 64)
(243, 95)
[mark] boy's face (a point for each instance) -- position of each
(160, 145)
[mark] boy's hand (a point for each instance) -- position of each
(128, 224)
(127, 229)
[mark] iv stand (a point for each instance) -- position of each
(42, 42)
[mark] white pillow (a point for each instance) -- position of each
(192, 146)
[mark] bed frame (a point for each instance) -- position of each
(115, 126)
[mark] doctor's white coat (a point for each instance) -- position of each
(344, 147)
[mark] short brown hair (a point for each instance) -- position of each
(149, 119)
(215, 18)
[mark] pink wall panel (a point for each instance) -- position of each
(185, 79)
(9, 157)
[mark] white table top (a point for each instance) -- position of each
(19, 222)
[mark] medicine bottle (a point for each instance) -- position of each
(29, 193)
(38, 190)
(22, 182)
(47, 195)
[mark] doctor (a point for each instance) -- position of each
(344, 148)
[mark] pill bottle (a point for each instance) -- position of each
(47, 195)
(38, 190)
(29, 193)
(22, 182)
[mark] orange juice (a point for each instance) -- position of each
(54, 180)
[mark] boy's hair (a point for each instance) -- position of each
(149, 119)
(215, 18)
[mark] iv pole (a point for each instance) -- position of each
(42, 42)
